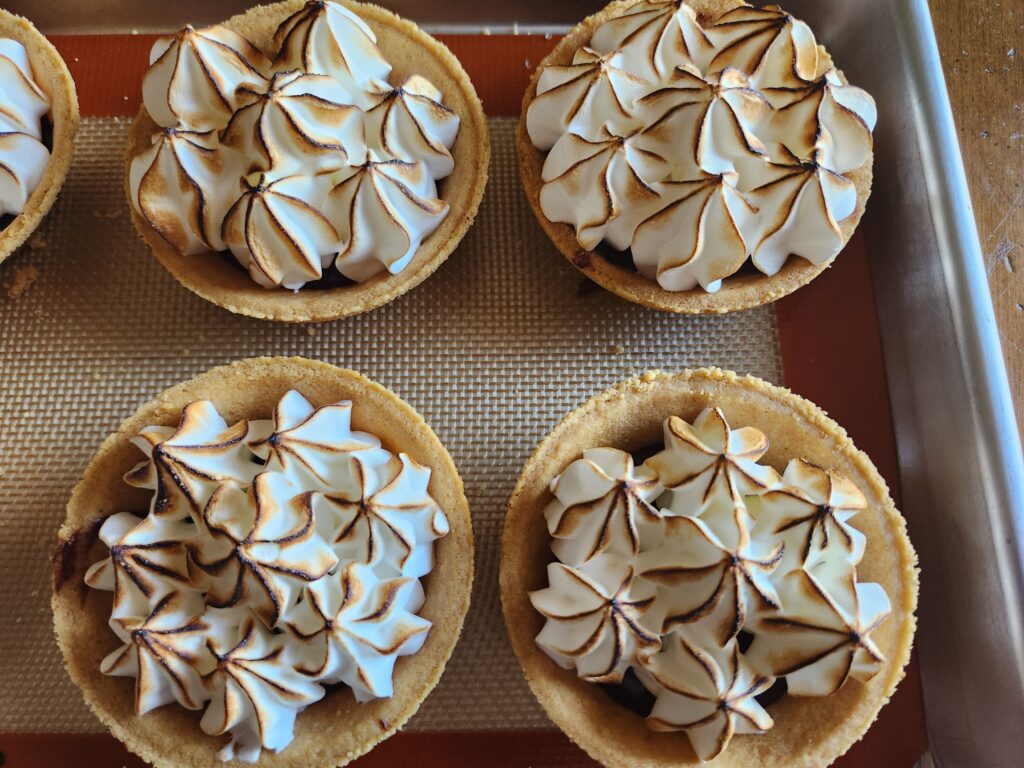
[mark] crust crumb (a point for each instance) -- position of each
(37, 242)
(23, 279)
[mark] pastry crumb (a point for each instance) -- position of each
(616, 349)
(23, 279)
(108, 215)
(37, 242)
(311, 330)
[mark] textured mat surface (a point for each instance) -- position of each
(493, 350)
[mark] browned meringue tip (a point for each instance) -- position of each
(337, 729)
(743, 290)
(410, 50)
(52, 75)
(808, 733)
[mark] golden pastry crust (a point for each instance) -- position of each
(410, 50)
(336, 729)
(51, 74)
(741, 291)
(808, 732)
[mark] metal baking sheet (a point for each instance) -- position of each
(962, 470)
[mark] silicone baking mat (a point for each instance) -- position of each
(493, 350)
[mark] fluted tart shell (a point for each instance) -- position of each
(743, 290)
(411, 51)
(808, 732)
(336, 729)
(51, 74)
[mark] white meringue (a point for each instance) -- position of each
(821, 636)
(808, 202)
(23, 103)
(358, 626)
(198, 77)
(277, 231)
(596, 617)
(411, 122)
(166, 651)
(654, 38)
(598, 186)
(810, 514)
(299, 123)
(708, 464)
(262, 547)
(328, 39)
(389, 521)
(706, 690)
(253, 147)
(23, 106)
(845, 116)
(185, 465)
(23, 162)
(700, 148)
(182, 187)
(256, 692)
(148, 560)
(586, 97)
(667, 569)
(714, 572)
(277, 556)
(382, 210)
(698, 238)
(775, 49)
(603, 504)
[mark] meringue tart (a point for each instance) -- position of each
(703, 568)
(37, 129)
(268, 563)
(697, 156)
(333, 160)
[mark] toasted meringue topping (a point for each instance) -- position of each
(328, 39)
(775, 49)
(656, 37)
(411, 122)
(708, 691)
(595, 617)
(700, 148)
(603, 504)
(198, 77)
(252, 147)
(277, 557)
(382, 209)
(189, 463)
(299, 123)
(582, 98)
(665, 567)
(166, 651)
(358, 626)
(174, 185)
(277, 232)
(23, 105)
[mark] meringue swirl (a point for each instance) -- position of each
(277, 557)
(23, 107)
(669, 568)
(701, 146)
(252, 144)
